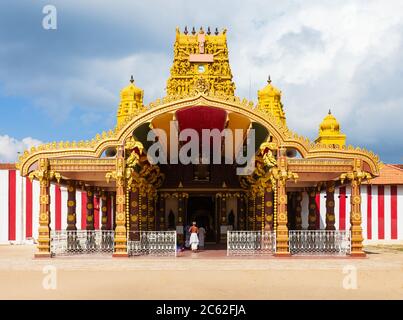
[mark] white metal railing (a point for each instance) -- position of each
(319, 242)
(244, 243)
(154, 243)
(68, 242)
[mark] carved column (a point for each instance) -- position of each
(120, 230)
(282, 175)
(134, 214)
(44, 214)
(151, 211)
(44, 175)
(259, 207)
(298, 210)
(268, 208)
(181, 217)
(282, 230)
(223, 219)
(355, 220)
(330, 217)
(71, 206)
(251, 212)
(90, 209)
(161, 212)
(241, 205)
(143, 211)
(104, 210)
(356, 176)
(312, 209)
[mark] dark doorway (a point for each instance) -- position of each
(202, 210)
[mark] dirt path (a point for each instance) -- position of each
(380, 276)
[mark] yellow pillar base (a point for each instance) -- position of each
(40, 255)
(361, 254)
(282, 254)
(120, 255)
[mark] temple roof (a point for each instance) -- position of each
(201, 83)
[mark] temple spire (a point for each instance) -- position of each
(131, 79)
(269, 80)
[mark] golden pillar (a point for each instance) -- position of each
(312, 208)
(298, 210)
(143, 210)
(259, 212)
(330, 217)
(151, 211)
(268, 209)
(356, 176)
(281, 174)
(90, 209)
(120, 249)
(241, 206)
(134, 214)
(282, 248)
(161, 212)
(104, 210)
(44, 175)
(71, 206)
(355, 220)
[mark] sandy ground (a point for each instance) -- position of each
(204, 275)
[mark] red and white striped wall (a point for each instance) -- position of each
(19, 208)
(382, 209)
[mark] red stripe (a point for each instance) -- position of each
(58, 208)
(342, 206)
(317, 200)
(83, 210)
(381, 212)
(109, 211)
(369, 212)
(11, 204)
(28, 208)
(393, 212)
(96, 213)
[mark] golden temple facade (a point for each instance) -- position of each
(200, 94)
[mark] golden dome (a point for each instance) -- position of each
(329, 131)
(329, 124)
(131, 92)
(269, 101)
(269, 91)
(131, 102)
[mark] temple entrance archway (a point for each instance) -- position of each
(201, 208)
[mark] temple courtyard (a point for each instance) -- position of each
(208, 274)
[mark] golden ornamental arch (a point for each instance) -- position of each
(280, 133)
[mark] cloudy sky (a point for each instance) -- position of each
(64, 84)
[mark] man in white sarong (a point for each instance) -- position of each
(194, 240)
(201, 234)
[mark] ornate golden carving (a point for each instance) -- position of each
(200, 66)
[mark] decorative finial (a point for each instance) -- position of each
(216, 31)
(330, 112)
(186, 30)
(201, 30)
(208, 31)
(193, 30)
(131, 79)
(269, 80)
